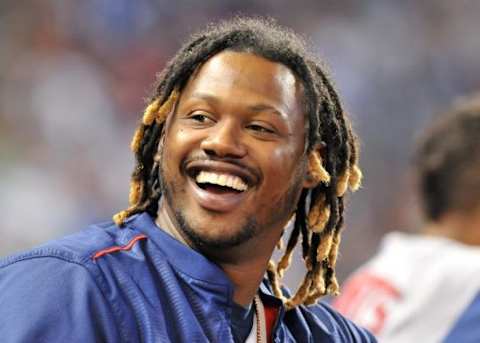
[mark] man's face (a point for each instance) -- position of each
(232, 157)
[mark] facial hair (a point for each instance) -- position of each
(281, 211)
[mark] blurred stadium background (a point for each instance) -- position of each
(74, 74)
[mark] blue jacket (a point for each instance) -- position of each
(136, 284)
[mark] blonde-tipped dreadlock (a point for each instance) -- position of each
(321, 237)
(355, 178)
(153, 113)
(332, 257)
(150, 113)
(319, 214)
(302, 292)
(271, 272)
(320, 278)
(135, 190)
(342, 183)
(137, 139)
(318, 172)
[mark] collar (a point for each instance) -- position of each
(182, 257)
(191, 262)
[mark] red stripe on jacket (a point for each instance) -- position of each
(128, 246)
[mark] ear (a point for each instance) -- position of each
(312, 176)
(161, 143)
(309, 181)
(171, 106)
(158, 156)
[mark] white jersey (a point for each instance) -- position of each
(417, 289)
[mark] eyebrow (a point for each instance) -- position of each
(260, 107)
(263, 108)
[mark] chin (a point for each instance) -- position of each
(216, 236)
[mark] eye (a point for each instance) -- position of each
(260, 128)
(200, 117)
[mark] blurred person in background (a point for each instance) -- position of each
(426, 286)
(244, 133)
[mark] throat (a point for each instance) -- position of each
(165, 222)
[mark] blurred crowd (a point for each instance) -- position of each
(74, 76)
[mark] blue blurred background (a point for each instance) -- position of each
(74, 76)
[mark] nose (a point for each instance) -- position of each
(224, 140)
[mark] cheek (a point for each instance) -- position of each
(177, 143)
(176, 137)
(282, 167)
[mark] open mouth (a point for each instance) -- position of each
(220, 183)
(219, 187)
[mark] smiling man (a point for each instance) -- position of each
(243, 134)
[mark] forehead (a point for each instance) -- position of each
(243, 76)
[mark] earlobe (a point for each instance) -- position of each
(158, 155)
(309, 181)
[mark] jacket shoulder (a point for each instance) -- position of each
(323, 318)
(79, 247)
(49, 297)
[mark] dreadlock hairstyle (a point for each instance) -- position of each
(447, 160)
(319, 214)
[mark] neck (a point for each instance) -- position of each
(246, 280)
(463, 227)
(166, 223)
(244, 265)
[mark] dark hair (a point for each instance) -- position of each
(448, 161)
(319, 215)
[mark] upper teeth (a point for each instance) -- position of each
(228, 180)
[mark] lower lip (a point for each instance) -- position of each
(224, 202)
